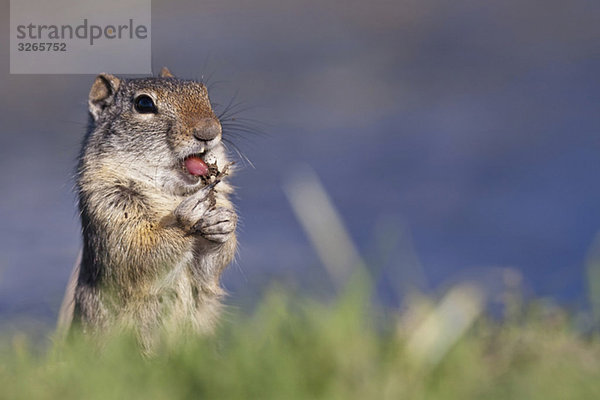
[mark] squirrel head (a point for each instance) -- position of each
(152, 125)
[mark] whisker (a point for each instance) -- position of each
(229, 106)
(242, 125)
(244, 119)
(233, 110)
(241, 155)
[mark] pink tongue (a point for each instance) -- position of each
(196, 166)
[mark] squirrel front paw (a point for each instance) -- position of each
(217, 225)
(197, 214)
(192, 209)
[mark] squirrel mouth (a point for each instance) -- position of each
(195, 165)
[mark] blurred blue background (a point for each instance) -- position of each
(456, 139)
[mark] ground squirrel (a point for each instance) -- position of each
(158, 226)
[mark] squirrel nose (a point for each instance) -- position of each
(207, 129)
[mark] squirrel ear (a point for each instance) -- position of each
(102, 93)
(165, 73)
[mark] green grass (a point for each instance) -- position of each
(291, 348)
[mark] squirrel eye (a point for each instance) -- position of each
(144, 104)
